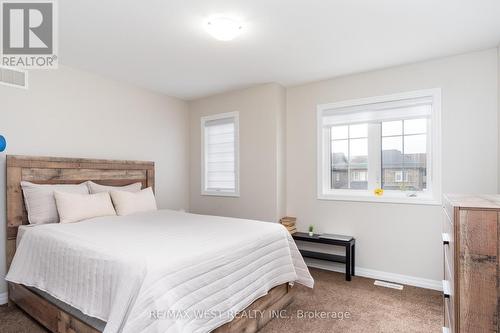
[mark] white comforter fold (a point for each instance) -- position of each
(163, 271)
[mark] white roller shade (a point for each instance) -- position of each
(220, 155)
(378, 112)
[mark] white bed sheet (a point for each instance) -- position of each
(21, 229)
(163, 271)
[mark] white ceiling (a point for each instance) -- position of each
(161, 44)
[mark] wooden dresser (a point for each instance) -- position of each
(471, 234)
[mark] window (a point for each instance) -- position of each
(349, 156)
(220, 156)
(390, 142)
(398, 176)
(404, 153)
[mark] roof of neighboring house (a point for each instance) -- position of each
(391, 159)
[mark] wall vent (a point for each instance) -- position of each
(13, 77)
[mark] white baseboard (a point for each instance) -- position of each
(379, 275)
(3, 298)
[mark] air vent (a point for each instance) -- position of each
(388, 285)
(13, 77)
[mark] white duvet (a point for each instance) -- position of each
(162, 271)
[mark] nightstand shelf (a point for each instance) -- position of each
(349, 243)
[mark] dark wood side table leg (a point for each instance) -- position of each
(353, 254)
(348, 262)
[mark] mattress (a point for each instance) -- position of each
(91, 321)
(162, 271)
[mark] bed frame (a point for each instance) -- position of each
(56, 170)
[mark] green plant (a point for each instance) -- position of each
(311, 228)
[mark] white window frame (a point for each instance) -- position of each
(431, 196)
(203, 121)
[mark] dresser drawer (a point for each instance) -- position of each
(448, 209)
(449, 256)
(447, 223)
(449, 287)
(448, 316)
(447, 237)
(448, 268)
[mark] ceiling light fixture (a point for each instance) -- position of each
(223, 28)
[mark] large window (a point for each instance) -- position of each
(220, 154)
(390, 143)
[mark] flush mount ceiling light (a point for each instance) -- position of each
(223, 28)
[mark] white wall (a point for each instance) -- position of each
(54, 116)
(396, 238)
(71, 113)
(261, 115)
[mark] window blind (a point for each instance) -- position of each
(220, 155)
(377, 112)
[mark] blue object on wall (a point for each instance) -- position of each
(3, 143)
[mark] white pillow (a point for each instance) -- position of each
(127, 203)
(78, 207)
(40, 203)
(96, 188)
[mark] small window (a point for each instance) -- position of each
(399, 176)
(390, 143)
(220, 156)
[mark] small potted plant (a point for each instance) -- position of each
(311, 230)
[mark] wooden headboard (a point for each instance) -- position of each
(57, 170)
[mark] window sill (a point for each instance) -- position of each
(221, 194)
(386, 198)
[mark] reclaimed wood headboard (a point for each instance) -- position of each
(57, 170)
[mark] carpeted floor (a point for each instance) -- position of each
(372, 309)
(365, 308)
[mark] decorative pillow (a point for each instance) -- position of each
(40, 203)
(96, 188)
(78, 207)
(127, 203)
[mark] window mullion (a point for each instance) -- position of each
(327, 157)
(349, 156)
(403, 151)
(374, 155)
(430, 154)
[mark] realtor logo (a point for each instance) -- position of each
(28, 34)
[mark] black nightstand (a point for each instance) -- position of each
(346, 241)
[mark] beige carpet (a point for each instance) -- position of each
(371, 309)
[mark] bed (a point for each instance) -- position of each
(165, 271)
